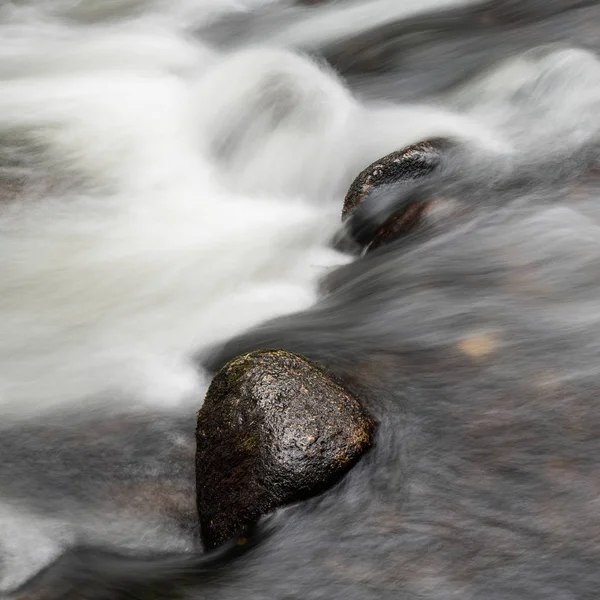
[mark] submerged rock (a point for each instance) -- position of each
(274, 428)
(423, 214)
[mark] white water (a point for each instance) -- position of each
(175, 195)
(158, 195)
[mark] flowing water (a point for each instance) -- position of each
(172, 173)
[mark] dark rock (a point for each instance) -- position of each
(425, 214)
(408, 164)
(274, 429)
(391, 208)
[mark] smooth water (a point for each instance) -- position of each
(172, 173)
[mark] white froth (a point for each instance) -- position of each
(198, 193)
(176, 194)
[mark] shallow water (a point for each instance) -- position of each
(172, 173)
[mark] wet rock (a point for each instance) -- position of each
(409, 208)
(423, 214)
(408, 164)
(274, 429)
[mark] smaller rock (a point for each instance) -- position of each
(412, 209)
(408, 164)
(425, 215)
(274, 429)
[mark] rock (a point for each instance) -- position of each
(389, 176)
(425, 214)
(274, 429)
(408, 164)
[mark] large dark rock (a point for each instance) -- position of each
(274, 429)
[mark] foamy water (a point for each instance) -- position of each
(158, 195)
(174, 195)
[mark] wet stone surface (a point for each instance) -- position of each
(274, 429)
(390, 179)
(408, 164)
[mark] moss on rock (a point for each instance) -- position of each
(274, 428)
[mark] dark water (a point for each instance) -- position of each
(475, 345)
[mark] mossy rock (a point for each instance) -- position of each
(274, 429)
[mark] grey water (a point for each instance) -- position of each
(171, 181)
